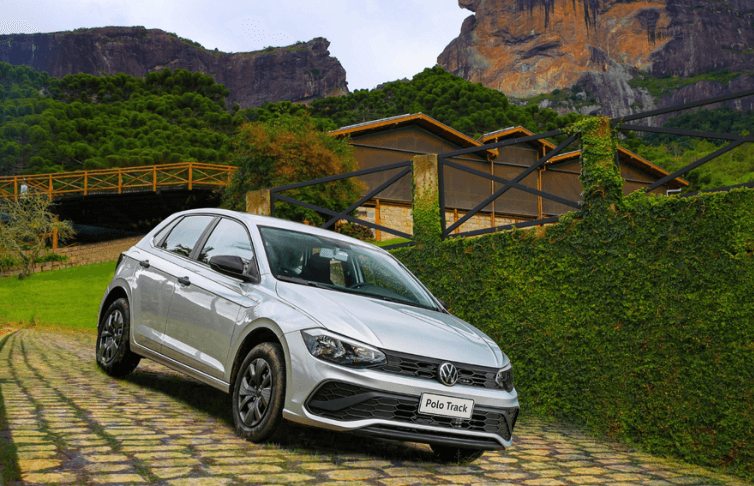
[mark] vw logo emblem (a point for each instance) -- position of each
(448, 374)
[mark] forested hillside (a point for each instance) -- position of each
(87, 122)
(469, 108)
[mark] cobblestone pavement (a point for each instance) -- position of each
(62, 421)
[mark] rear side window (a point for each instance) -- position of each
(185, 234)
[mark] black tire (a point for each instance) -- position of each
(113, 351)
(456, 454)
(259, 393)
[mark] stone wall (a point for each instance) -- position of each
(400, 217)
(82, 255)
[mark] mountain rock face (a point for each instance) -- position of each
(297, 73)
(529, 47)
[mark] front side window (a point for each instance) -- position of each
(329, 263)
(185, 234)
(228, 238)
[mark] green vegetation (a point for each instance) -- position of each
(469, 108)
(290, 149)
(74, 303)
(674, 152)
(659, 86)
(89, 122)
(637, 323)
(24, 234)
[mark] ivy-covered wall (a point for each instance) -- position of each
(637, 322)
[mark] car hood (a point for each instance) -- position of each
(392, 326)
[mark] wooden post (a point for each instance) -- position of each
(455, 218)
(190, 175)
(50, 187)
(120, 181)
(15, 188)
(154, 178)
(86, 183)
(55, 234)
(377, 220)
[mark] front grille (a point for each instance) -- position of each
(345, 402)
(426, 369)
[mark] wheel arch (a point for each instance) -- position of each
(114, 294)
(261, 333)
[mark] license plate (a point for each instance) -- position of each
(443, 406)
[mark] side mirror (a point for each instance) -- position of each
(233, 266)
(442, 303)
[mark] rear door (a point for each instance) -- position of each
(156, 277)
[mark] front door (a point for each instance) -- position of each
(204, 308)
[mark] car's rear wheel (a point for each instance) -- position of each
(113, 352)
(259, 392)
(456, 454)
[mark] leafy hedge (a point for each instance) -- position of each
(638, 322)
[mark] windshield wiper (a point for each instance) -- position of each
(301, 281)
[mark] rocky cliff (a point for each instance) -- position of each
(298, 73)
(526, 48)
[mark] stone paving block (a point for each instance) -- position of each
(408, 481)
(118, 479)
(244, 469)
(353, 474)
(107, 468)
(584, 479)
(287, 478)
(49, 478)
(460, 478)
(200, 482)
(105, 458)
(28, 465)
(544, 482)
(171, 472)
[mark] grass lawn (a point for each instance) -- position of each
(67, 298)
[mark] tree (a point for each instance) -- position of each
(289, 149)
(25, 231)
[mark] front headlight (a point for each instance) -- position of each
(504, 379)
(342, 351)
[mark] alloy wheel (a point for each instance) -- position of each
(111, 337)
(255, 392)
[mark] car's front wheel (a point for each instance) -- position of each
(456, 454)
(114, 355)
(259, 392)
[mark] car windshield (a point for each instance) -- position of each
(333, 264)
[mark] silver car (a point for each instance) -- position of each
(305, 324)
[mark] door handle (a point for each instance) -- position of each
(184, 280)
(144, 263)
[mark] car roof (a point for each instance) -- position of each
(257, 220)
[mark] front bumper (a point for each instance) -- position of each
(380, 404)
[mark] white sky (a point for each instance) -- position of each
(375, 40)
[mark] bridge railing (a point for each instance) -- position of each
(120, 180)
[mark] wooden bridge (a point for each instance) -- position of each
(118, 181)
